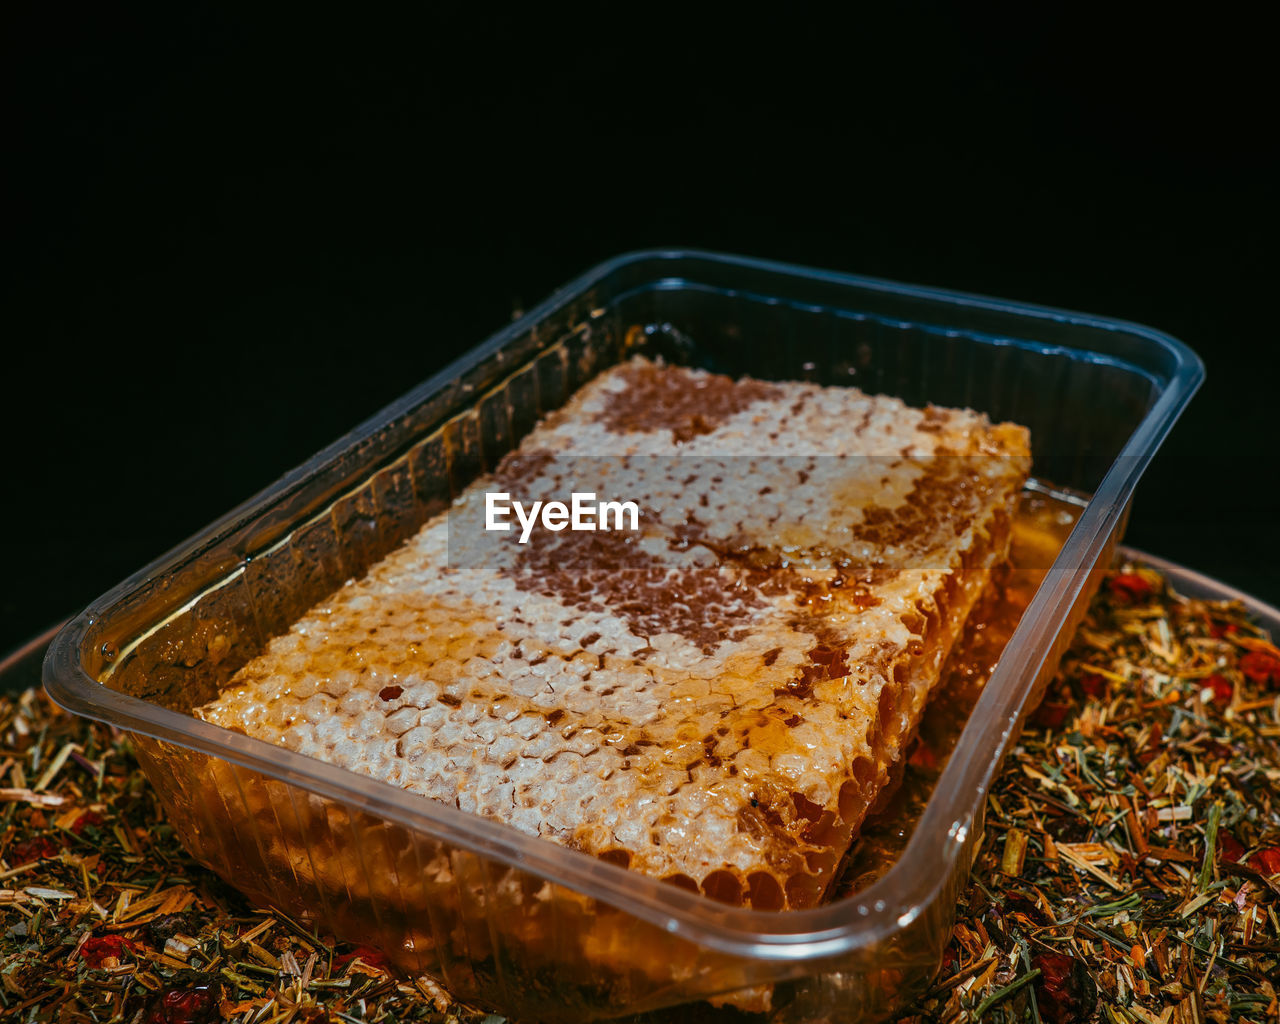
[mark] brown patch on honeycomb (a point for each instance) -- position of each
(658, 398)
(607, 571)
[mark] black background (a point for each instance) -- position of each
(230, 239)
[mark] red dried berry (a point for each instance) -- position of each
(1063, 991)
(184, 1006)
(100, 948)
(1218, 630)
(1130, 587)
(24, 851)
(370, 957)
(1266, 861)
(922, 756)
(1093, 685)
(949, 961)
(1222, 688)
(1050, 715)
(1261, 668)
(90, 819)
(1230, 848)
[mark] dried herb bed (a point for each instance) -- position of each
(1129, 870)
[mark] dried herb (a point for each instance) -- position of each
(1141, 810)
(1130, 869)
(104, 917)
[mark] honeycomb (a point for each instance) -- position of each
(715, 698)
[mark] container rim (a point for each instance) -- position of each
(876, 913)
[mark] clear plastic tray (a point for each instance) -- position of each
(524, 925)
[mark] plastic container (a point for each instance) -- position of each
(524, 925)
